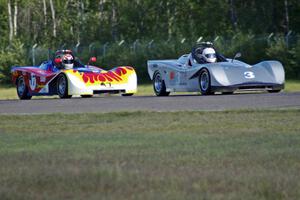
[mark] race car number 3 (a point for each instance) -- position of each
(249, 75)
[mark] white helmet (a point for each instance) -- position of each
(209, 55)
(68, 61)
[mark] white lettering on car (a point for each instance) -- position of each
(249, 75)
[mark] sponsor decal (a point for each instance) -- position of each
(249, 75)
(172, 75)
(32, 82)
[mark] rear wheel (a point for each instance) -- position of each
(22, 89)
(204, 82)
(159, 85)
(62, 87)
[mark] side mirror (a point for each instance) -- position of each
(58, 60)
(93, 59)
(237, 55)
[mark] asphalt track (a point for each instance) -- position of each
(193, 102)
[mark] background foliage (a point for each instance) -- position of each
(122, 32)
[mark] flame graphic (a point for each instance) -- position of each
(116, 75)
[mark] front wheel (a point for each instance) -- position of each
(62, 87)
(22, 89)
(205, 82)
(159, 85)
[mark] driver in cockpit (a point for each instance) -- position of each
(209, 55)
(204, 53)
(68, 61)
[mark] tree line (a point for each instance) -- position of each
(53, 23)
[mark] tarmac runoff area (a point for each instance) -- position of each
(193, 102)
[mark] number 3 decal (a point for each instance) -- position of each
(249, 75)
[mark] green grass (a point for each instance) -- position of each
(8, 92)
(151, 155)
(292, 86)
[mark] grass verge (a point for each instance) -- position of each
(151, 155)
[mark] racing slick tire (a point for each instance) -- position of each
(22, 89)
(205, 82)
(159, 85)
(62, 87)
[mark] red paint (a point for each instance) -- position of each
(121, 71)
(58, 60)
(85, 78)
(172, 75)
(88, 77)
(93, 59)
(103, 77)
(107, 77)
(114, 76)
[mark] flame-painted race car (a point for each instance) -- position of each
(215, 73)
(65, 76)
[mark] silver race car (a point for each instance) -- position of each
(206, 71)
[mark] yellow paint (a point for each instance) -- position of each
(124, 77)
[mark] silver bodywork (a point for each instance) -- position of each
(183, 75)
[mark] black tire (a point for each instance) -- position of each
(86, 96)
(274, 91)
(62, 87)
(205, 82)
(159, 85)
(127, 94)
(22, 89)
